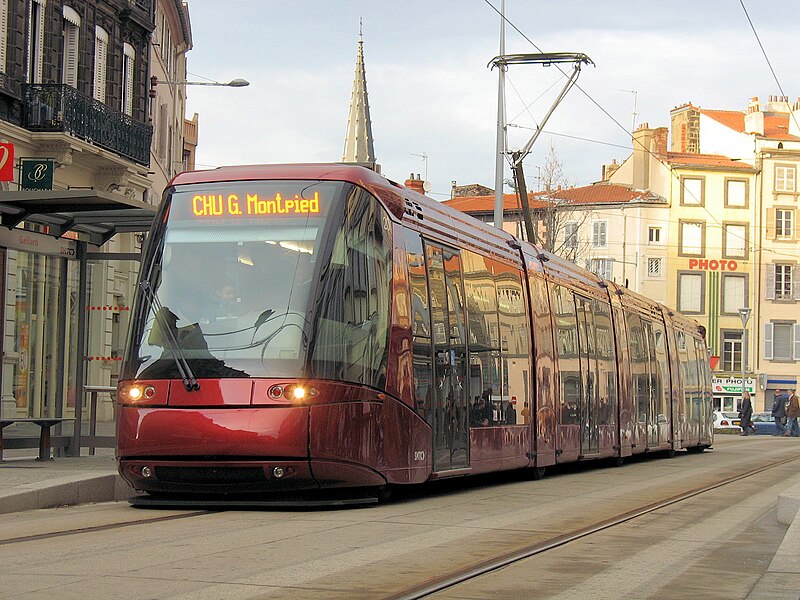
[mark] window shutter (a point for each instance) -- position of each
(40, 45)
(796, 336)
(769, 291)
(100, 66)
(770, 223)
(3, 34)
(795, 282)
(128, 108)
(768, 341)
(70, 76)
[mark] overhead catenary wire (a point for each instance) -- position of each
(654, 156)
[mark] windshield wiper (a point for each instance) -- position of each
(184, 370)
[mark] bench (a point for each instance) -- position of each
(44, 423)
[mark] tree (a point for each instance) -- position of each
(559, 221)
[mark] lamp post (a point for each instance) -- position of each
(238, 82)
(155, 81)
(744, 314)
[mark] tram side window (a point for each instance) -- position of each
(606, 363)
(420, 326)
(662, 369)
(640, 362)
(703, 383)
(482, 337)
(563, 306)
(353, 316)
(514, 337)
(656, 384)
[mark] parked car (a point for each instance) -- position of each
(764, 422)
(726, 420)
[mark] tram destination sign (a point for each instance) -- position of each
(209, 206)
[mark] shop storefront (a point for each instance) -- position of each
(728, 392)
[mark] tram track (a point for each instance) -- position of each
(476, 570)
(104, 527)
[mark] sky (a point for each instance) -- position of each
(433, 98)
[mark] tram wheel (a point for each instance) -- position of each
(538, 473)
(619, 461)
(670, 453)
(383, 493)
(695, 449)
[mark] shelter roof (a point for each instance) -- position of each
(97, 215)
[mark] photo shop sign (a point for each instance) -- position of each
(732, 385)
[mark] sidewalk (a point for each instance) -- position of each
(27, 484)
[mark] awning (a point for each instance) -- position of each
(96, 215)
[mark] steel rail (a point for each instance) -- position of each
(106, 527)
(474, 571)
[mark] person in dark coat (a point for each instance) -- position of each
(779, 412)
(746, 414)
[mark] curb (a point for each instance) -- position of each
(65, 491)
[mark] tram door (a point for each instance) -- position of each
(589, 402)
(450, 368)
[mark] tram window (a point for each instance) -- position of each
(352, 330)
(420, 324)
(662, 366)
(483, 336)
(690, 383)
(515, 335)
(640, 365)
(606, 363)
(563, 306)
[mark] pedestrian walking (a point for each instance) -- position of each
(779, 411)
(746, 414)
(792, 412)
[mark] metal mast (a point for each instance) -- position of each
(501, 125)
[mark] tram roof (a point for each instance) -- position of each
(95, 214)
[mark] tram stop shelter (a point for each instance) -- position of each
(66, 305)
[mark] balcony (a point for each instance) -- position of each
(62, 108)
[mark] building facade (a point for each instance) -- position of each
(730, 179)
(75, 96)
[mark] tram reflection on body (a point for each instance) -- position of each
(369, 336)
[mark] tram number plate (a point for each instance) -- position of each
(419, 455)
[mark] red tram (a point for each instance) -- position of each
(317, 326)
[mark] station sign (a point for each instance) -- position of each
(37, 174)
(732, 385)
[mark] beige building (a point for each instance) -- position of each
(730, 179)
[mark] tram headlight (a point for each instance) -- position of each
(299, 392)
(136, 393)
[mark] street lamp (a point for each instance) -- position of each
(744, 314)
(238, 82)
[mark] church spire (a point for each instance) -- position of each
(358, 146)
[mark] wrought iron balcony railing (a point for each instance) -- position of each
(56, 107)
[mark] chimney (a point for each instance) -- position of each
(642, 140)
(609, 170)
(660, 141)
(415, 183)
(754, 119)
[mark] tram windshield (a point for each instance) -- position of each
(265, 279)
